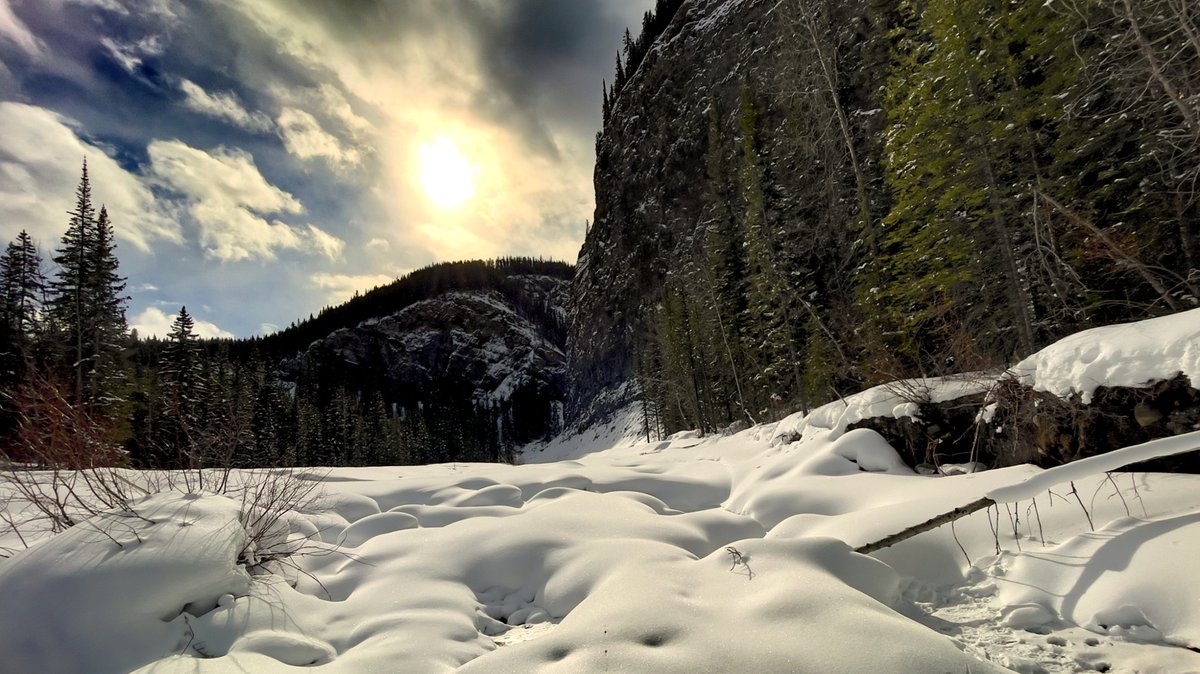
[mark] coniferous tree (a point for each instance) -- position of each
(23, 287)
(768, 327)
(22, 301)
(183, 386)
(69, 302)
(87, 306)
(106, 303)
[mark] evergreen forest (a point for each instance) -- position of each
(913, 188)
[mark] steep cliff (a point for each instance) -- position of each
(673, 185)
(796, 198)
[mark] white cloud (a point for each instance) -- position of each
(225, 174)
(334, 104)
(268, 329)
(379, 244)
(304, 138)
(224, 106)
(40, 157)
(12, 29)
(341, 287)
(154, 322)
(328, 101)
(329, 245)
(131, 54)
(235, 208)
(162, 8)
(230, 201)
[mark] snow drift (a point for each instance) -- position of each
(729, 553)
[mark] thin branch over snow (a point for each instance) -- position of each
(1096, 465)
(1030, 488)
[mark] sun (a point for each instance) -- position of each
(447, 176)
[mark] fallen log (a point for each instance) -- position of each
(1094, 465)
(929, 525)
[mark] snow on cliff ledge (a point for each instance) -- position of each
(1133, 354)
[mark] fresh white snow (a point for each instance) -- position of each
(605, 552)
(1132, 354)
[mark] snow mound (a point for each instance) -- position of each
(1111, 581)
(120, 588)
(290, 649)
(896, 400)
(682, 615)
(1096, 465)
(376, 525)
(1132, 354)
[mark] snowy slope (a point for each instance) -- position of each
(616, 554)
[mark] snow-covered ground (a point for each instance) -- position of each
(608, 553)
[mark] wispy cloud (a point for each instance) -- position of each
(236, 210)
(327, 244)
(40, 157)
(341, 287)
(223, 106)
(13, 30)
(131, 55)
(304, 138)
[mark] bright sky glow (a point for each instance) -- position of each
(447, 175)
(276, 153)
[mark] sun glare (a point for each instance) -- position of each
(447, 176)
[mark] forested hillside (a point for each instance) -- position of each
(418, 285)
(457, 361)
(799, 198)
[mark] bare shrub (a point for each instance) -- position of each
(61, 469)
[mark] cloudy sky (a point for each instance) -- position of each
(262, 159)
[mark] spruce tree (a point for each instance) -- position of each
(106, 288)
(69, 303)
(181, 380)
(22, 298)
(87, 305)
(23, 287)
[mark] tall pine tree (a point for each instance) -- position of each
(182, 382)
(69, 302)
(23, 288)
(87, 305)
(106, 288)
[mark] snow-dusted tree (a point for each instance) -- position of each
(181, 381)
(180, 369)
(68, 305)
(87, 305)
(23, 287)
(106, 306)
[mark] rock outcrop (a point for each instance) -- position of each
(667, 166)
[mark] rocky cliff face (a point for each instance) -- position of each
(667, 163)
(482, 352)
